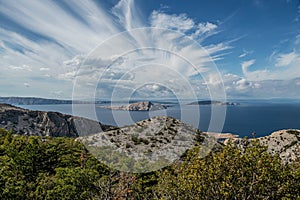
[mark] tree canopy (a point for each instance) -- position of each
(34, 167)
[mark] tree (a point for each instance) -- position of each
(229, 174)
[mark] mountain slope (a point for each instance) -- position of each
(27, 122)
(147, 145)
(285, 143)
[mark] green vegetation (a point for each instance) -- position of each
(61, 168)
(295, 132)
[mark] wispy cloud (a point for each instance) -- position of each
(246, 65)
(56, 37)
(287, 59)
(245, 53)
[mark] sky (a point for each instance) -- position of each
(239, 49)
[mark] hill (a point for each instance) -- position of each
(285, 143)
(39, 123)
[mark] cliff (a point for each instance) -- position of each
(27, 122)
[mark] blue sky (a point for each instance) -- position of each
(253, 47)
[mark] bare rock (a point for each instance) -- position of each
(27, 122)
(285, 143)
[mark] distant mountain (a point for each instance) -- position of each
(40, 101)
(209, 102)
(138, 106)
(39, 123)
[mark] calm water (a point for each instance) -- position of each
(243, 119)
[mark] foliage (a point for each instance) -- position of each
(230, 174)
(61, 168)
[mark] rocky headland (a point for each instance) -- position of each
(39, 123)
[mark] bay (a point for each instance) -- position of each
(243, 119)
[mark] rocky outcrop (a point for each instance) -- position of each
(222, 136)
(138, 106)
(285, 143)
(151, 139)
(27, 122)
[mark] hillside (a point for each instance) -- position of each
(35, 167)
(285, 143)
(39, 123)
(159, 139)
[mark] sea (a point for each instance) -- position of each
(261, 117)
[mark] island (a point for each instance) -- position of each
(43, 101)
(211, 102)
(138, 106)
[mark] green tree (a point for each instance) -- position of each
(229, 174)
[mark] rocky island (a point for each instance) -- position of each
(138, 106)
(210, 102)
(43, 101)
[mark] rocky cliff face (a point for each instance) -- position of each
(27, 122)
(138, 106)
(285, 143)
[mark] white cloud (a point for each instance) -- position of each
(58, 57)
(23, 67)
(247, 64)
(75, 61)
(57, 93)
(206, 27)
(182, 23)
(285, 67)
(174, 22)
(49, 19)
(245, 53)
(204, 30)
(45, 69)
(68, 76)
(287, 59)
(129, 15)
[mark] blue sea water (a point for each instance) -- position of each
(243, 119)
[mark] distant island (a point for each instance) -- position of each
(138, 106)
(209, 102)
(42, 101)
